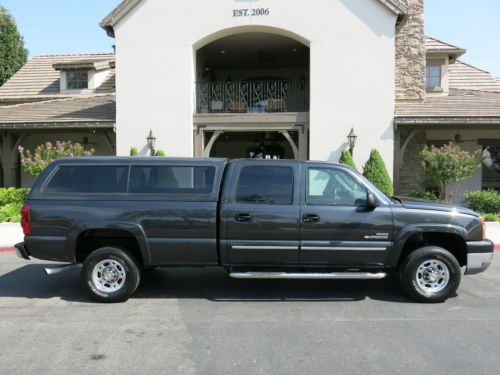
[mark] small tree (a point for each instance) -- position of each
(346, 159)
(375, 171)
(449, 165)
(13, 55)
(133, 151)
(34, 163)
(160, 153)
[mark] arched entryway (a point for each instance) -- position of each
(252, 90)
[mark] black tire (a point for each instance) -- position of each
(420, 268)
(125, 271)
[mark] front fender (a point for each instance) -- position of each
(135, 229)
(409, 230)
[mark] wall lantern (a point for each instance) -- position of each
(351, 140)
(151, 143)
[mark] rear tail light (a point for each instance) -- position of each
(25, 220)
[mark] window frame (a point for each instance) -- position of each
(484, 167)
(338, 170)
(428, 75)
(78, 80)
(264, 164)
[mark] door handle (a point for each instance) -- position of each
(243, 218)
(310, 218)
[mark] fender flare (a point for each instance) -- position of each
(135, 229)
(409, 230)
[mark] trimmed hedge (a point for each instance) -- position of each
(376, 172)
(346, 159)
(485, 202)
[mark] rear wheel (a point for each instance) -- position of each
(430, 274)
(110, 274)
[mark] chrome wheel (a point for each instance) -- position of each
(108, 276)
(432, 276)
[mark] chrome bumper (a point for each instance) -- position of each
(478, 262)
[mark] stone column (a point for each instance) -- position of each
(410, 53)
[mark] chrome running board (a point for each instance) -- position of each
(309, 275)
(59, 269)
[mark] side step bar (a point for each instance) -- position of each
(58, 269)
(307, 275)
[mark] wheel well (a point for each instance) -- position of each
(451, 242)
(90, 240)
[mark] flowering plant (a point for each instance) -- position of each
(34, 163)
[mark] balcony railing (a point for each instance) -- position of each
(252, 97)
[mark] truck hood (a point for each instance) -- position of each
(420, 204)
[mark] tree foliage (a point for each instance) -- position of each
(375, 171)
(13, 55)
(449, 165)
(346, 159)
(34, 163)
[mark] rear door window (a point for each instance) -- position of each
(265, 185)
(164, 179)
(88, 179)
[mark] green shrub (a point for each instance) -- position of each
(491, 217)
(11, 212)
(427, 195)
(133, 151)
(13, 195)
(486, 202)
(346, 159)
(375, 171)
(160, 153)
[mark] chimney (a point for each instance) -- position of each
(410, 53)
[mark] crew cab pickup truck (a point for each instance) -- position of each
(118, 217)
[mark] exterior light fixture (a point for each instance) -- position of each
(351, 140)
(151, 143)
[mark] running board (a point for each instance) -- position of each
(59, 269)
(307, 275)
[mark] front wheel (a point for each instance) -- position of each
(110, 274)
(430, 274)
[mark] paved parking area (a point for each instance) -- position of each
(202, 322)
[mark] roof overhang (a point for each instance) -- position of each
(435, 121)
(46, 125)
(88, 65)
(110, 21)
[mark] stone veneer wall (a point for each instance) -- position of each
(410, 53)
(412, 174)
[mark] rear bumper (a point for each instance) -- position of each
(479, 256)
(21, 251)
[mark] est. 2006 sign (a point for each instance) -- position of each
(251, 12)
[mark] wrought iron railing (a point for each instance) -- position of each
(252, 97)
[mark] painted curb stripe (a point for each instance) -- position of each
(7, 249)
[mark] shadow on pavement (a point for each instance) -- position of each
(31, 281)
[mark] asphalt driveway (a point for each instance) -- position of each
(202, 322)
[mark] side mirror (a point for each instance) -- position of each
(372, 201)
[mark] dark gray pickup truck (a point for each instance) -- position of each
(255, 218)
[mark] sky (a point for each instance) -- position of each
(72, 26)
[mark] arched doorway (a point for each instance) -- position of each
(254, 84)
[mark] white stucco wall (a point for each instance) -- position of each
(352, 69)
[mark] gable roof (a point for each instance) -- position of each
(466, 76)
(436, 46)
(99, 110)
(39, 79)
(109, 22)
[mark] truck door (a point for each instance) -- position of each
(261, 216)
(337, 227)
